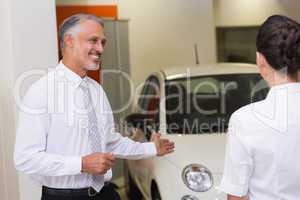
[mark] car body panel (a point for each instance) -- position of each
(209, 69)
(208, 150)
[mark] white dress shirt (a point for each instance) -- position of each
(52, 135)
(263, 147)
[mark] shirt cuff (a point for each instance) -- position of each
(74, 165)
(235, 190)
(150, 149)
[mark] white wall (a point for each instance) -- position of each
(28, 40)
(254, 12)
(8, 180)
(163, 33)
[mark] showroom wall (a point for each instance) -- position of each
(252, 13)
(28, 41)
(163, 33)
(8, 180)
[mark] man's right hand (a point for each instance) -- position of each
(97, 163)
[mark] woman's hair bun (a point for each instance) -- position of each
(278, 40)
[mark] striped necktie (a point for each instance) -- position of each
(96, 181)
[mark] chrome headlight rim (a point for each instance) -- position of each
(201, 168)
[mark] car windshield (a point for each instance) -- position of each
(204, 104)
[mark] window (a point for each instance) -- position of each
(236, 44)
(205, 104)
(149, 98)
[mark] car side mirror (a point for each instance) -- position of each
(142, 122)
(137, 120)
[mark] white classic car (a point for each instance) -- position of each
(190, 106)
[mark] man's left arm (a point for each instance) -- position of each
(124, 147)
(230, 197)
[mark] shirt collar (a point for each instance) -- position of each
(286, 86)
(70, 75)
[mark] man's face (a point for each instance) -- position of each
(88, 45)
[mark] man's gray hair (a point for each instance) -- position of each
(72, 21)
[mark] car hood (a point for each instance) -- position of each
(205, 149)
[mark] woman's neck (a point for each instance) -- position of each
(280, 78)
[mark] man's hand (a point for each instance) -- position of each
(230, 197)
(97, 163)
(163, 146)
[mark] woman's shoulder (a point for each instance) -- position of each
(248, 112)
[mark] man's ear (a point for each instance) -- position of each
(68, 40)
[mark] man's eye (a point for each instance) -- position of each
(93, 41)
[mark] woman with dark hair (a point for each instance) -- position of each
(263, 146)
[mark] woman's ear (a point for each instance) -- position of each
(261, 62)
(259, 59)
(264, 68)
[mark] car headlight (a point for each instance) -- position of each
(197, 177)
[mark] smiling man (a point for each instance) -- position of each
(66, 137)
